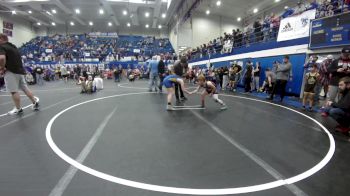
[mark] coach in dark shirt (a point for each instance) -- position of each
(11, 65)
(161, 72)
(180, 68)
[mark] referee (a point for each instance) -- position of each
(11, 66)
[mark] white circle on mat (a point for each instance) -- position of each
(190, 191)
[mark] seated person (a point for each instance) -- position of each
(269, 81)
(87, 86)
(131, 77)
(340, 111)
(98, 82)
(29, 78)
(235, 77)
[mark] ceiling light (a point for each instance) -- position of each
(77, 11)
(147, 26)
(159, 26)
(110, 24)
(277, 1)
(165, 1)
(239, 19)
(218, 3)
(286, 7)
(125, 12)
(255, 10)
(163, 15)
(101, 11)
(147, 14)
(53, 11)
(207, 12)
(38, 23)
(47, 12)
(30, 11)
(13, 12)
(91, 23)
(128, 24)
(72, 23)
(53, 24)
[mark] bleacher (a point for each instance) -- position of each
(77, 47)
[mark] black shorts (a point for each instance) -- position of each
(309, 88)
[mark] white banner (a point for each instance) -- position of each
(295, 27)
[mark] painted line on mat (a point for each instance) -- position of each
(269, 169)
(188, 191)
(63, 183)
(25, 107)
(43, 109)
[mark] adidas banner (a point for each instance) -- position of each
(295, 27)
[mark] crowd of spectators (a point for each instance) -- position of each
(60, 48)
(264, 29)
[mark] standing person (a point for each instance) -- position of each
(309, 66)
(180, 68)
(256, 79)
(283, 74)
(339, 68)
(161, 72)
(11, 65)
(225, 78)
(169, 83)
(39, 72)
(64, 74)
(248, 77)
(221, 77)
(309, 90)
(153, 76)
(324, 74)
(116, 74)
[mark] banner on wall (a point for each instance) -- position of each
(296, 27)
(107, 35)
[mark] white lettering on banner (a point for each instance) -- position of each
(295, 27)
(99, 34)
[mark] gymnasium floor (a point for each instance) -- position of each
(124, 133)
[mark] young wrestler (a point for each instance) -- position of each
(235, 76)
(169, 83)
(309, 89)
(210, 89)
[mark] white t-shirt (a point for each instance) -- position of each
(98, 83)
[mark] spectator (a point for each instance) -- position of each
(257, 30)
(283, 74)
(324, 74)
(153, 69)
(338, 69)
(248, 77)
(180, 68)
(309, 66)
(311, 78)
(116, 74)
(256, 79)
(39, 73)
(340, 110)
(225, 78)
(270, 80)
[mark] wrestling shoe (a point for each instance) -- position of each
(36, 106)
(224, 107)
(169, 108)
(183, 99)
(15, 111)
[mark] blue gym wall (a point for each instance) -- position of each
(297, 60)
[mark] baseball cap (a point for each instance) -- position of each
(346, 50)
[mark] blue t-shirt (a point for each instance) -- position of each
(153, 67)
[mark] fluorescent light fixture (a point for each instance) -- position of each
(218, 3)
(91, 23)
(128, 24)
(72, 23)
(183, 47)
(147, 14)
(147, 26)
(125, 12)
(101, 11)
(165, 1)
(38, 23)
(13, 12)
(53, 11)
(207, 12)
(255, 10)
(30, 12)
(277, 1)
(110, 24)
(77, 11)
(47, 12)
(286, 7)
(159, 26)
(239, 19)
(164, 15)
(53, 24)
